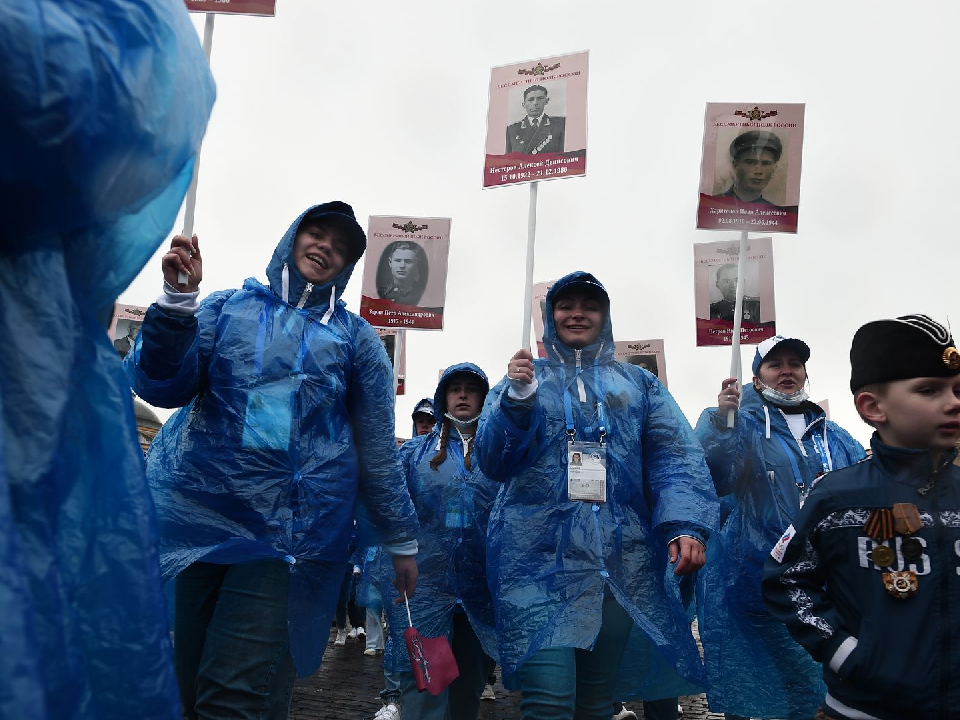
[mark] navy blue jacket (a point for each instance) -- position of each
(882, 657)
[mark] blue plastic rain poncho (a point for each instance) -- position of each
(288, 421)
(95, 158)
(453, 505)
(550, 559)
(754, 666)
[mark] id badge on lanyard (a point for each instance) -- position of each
(587, 471)
(586, 461)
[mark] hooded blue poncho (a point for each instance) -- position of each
(95, 158)
(288, 422)
(755, 668)
(550, 560)
(453, 506)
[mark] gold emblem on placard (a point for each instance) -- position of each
(756, 114)
(538, 69)
(951, 358)
(410, 227)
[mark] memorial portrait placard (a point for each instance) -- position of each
(750, 170)
(405, 272)
(389, 340)
(266, 8)
(647, 354)
(537, 121)
(715, 288)
(125, 326)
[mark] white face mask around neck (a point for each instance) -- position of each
(461, 424)
(779, 398)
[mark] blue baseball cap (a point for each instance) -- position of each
(778, 341)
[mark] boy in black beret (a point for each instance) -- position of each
(867, 578)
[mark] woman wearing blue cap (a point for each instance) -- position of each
(584, 560)
(762, 468)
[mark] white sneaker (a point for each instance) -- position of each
(341, 637)
(373, 651)
(361, 632)
(388, 712)
(625, 714)
(488, 693)
(352, 634)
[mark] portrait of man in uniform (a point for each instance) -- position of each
(537, 132)
(722, 309)
(647, 361)
(126, 338)
(755, 156)
(402, 272)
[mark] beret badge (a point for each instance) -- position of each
(951, 358)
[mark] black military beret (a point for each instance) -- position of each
(910, 346)
(756, 140)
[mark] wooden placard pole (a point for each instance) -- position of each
(528, 284)
(190, 209)
(736, 368)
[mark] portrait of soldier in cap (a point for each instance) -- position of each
(722, 309)
(536, 132)
(754, 155)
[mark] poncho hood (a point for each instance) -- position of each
(439, 397)
(601, 349)
(293, 288)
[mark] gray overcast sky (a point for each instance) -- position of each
(383, 104)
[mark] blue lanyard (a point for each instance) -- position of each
(798, 478)
(819, 443)
(571, 426)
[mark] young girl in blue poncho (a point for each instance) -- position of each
(453, 500)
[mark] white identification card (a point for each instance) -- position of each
(587, 471)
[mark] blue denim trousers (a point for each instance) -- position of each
(460, 701)
(232, 642)
(568, 683)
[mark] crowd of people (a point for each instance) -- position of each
(561, 522)
(567, 524)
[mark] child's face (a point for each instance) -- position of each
(464, 397)
(320, 253)
(921, 413)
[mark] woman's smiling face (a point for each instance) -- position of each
(578, 318)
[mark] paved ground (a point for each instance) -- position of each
(347, 684)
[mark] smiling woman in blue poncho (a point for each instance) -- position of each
(288, 423)
(586, 590)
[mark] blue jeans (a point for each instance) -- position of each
(460, 701)
(568, 683)
(232, 642)
(394, 683)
